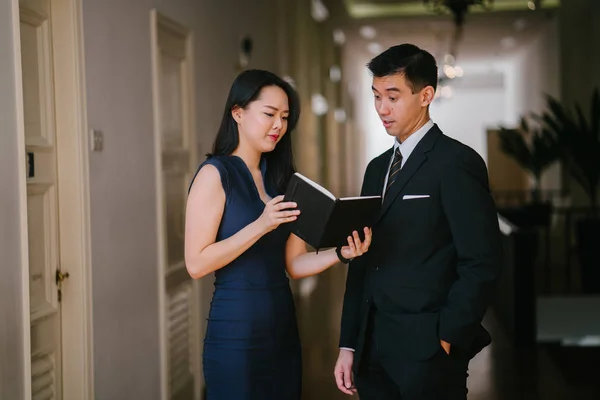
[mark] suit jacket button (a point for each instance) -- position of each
(375, 269)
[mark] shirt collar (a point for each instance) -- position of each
(411, 142)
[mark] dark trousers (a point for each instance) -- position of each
(381, 377)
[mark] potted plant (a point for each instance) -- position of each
(535, 150)
(581, 154)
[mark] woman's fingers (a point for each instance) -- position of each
(286, 205)
(276, 200)
(357, 243)
(287, 214)
(367, 242)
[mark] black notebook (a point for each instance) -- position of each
(326, 221)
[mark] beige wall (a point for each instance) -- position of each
(118, 72)
(11, 333)
(119, 99)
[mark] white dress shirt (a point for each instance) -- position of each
(406, 148)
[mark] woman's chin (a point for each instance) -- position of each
(268, 147)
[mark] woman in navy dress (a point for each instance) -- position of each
(236, 227)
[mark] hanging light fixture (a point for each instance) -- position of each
(458, 9)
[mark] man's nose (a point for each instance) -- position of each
(383, 109)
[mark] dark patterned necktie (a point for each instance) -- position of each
(394, 169)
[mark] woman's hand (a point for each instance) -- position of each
(356, 247)
(276, 213)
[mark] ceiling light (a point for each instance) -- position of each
(368, 32)
(335, 73)
(340, 115)
(339, 37)
(318, 11)
(319, 104)
(531, 5)
(374, 48)
(458, 71)
(449, 59)
(449, 71)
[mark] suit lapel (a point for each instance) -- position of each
(412, 165)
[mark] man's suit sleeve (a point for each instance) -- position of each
(353, 296)
(473, 220)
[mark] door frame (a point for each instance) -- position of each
(74, 199)
(158, 20)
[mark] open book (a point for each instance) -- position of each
(324, 220)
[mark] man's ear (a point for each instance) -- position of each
(236, 113)
(427, 96)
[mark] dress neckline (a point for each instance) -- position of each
(263, 170)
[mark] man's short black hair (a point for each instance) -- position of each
(417, 65)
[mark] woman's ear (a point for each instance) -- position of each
(236, 113)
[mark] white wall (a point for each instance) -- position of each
(118, 72)
(532, 74)
(11, 313)
(468, 113)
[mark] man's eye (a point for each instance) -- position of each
(393, 99)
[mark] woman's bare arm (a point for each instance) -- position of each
(204, 210)
(300, 263)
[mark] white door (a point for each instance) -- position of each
(42, 200)
(173, 93)
(57, 247)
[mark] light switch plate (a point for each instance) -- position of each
(97, 140)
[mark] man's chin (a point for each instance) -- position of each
(391, 132)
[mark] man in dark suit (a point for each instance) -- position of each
(414, 303)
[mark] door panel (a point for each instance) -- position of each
(180, 302)
(42, 198)
(175, 138)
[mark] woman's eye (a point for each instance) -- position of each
(285, 118)
(270, 115)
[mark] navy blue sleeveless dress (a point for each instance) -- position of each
(251, 348)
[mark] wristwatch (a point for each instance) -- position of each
(343, 259)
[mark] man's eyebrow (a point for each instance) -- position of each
(391, 89)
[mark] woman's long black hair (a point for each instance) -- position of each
(244, 90)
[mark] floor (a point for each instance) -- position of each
(499, 372)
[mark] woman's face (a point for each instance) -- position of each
(263, 122)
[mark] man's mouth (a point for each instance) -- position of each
(387, 124)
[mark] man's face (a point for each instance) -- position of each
(400, 110)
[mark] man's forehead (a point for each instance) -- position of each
(393, 82)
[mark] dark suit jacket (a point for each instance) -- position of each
(433, 262)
